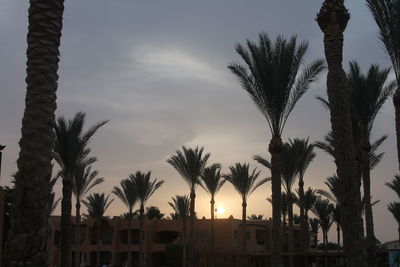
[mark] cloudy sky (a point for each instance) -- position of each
(157, 71)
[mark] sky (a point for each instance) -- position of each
(157, 70)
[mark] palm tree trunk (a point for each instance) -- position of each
(396, 102)
(98, 246)
(191, 229)
(338, 236)
(244, 206)
(184, 241)
(129, 256)
(325, 238)
(369, 221)
(212, 232)
(307, 232)
(291, 237)
(32, 195)
(141, 238)
(303, 226)
(66, 227)
(77, 233)
(332, 19)
(275, 148)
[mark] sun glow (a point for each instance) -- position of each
(220, 210)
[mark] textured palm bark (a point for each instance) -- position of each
(291, 235)
(31, 204)
(396, 102)
(191, 229)
(129, 258)
(77, 233)
(307, 232)
(303, 222)
(66, 226)
(275, 148)
(369, 221)
(332, 19)
(212, 232)
(141, 238)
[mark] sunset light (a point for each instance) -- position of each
(220, 210)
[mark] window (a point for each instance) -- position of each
(260, 237)
(247, 235)
(235, 234)
(57, 237)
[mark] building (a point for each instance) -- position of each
(158, 234)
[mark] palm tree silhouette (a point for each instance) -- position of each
(84, 179)
(212, 182)
(32, 196)
(245, 182)
(97, 205)
(145, 188)
(71, 148)
(190, 164)
(126, 192)
(274, 82)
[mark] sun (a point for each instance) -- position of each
(220, 210)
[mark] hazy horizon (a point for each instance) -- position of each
(158, 72)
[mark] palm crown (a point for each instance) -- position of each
(272, 76)
(144, 186)
(97, 205)
(189, 163)
(126, 193)
(181, 206)
(243, 181)
(84, 180)
(212, 181)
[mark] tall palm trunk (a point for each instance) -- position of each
(291, 236)
(66, 227)
(396, 102)
(332, 19)
(77, 233)
(212, 232)
(338, 236)
(307, 232)
(141, 238)
(275, 148)
(325, 238)
(244, 259)
(98, 245)
(191, 229)
(130, 238)
(303, 221)
(32, 195)
(369, 221)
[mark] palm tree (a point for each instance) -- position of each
(314, 225)
(255, 217)
(84, 179)
(145, 188)
(97, 205)
(190, 164)
(212, 182)
(386, 17)
(71, 149)
(394, 208)
(181, 207)
(304, 156)
(245, 182)
(310, 196)
(336, 218)
(368, 93)
(275, 84)
(323, 210)
(284, 212)
(332, 19)
(153, 212)
(32, 192)
(126, 192)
